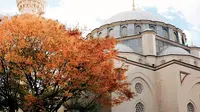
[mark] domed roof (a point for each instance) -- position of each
(136, 14)
(174, 50)
(123, 48)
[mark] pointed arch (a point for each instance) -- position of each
(139, 107)
(191, 107)
(139, 102)
(141, 76)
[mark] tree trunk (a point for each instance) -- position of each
(11, 105)
(11, 108)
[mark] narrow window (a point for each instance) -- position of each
(190, 107)
(165, 33)
(176, 37)
(183, 41)
(99, 34)
(110, 32)
(138, 29)
(123, 31)
(152, 28)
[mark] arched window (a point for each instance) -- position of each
(165, 33)
(190, 107)
(183, 41)
(139, 88)
(138, 29)
(110, 32)
(175, 35)
(123, 31)
(152, 28)
(139, 107)
(99, 34)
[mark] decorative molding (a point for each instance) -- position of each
(155, 68)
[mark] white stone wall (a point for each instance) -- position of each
(189, 89)
(167, 82)
(147, 38)
(164, 89)
(147, 97)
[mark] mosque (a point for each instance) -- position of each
(163, 70)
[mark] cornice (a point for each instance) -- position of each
(155, 68)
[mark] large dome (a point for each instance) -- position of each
(137, 14)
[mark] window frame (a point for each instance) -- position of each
(193, 106)
(139, 31)
(121, 31)
(176, 37)
(109, 32)
(99, 34)
(165, 31)
(154, 27)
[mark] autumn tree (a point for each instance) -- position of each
(43, 65)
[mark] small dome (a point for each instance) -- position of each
(137, 14)
(174, 50)
(123, 48)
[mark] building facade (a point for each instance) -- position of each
(163, 70)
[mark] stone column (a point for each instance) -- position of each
(149, 42)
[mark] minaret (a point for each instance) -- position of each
(133, 7)
(31, 6)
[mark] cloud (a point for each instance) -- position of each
(92, 13)
(188, 10)
(86, 12)
(168, 16)
(8, 11)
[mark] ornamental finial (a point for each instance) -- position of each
(133, 5)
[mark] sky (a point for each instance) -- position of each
(184, 14)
